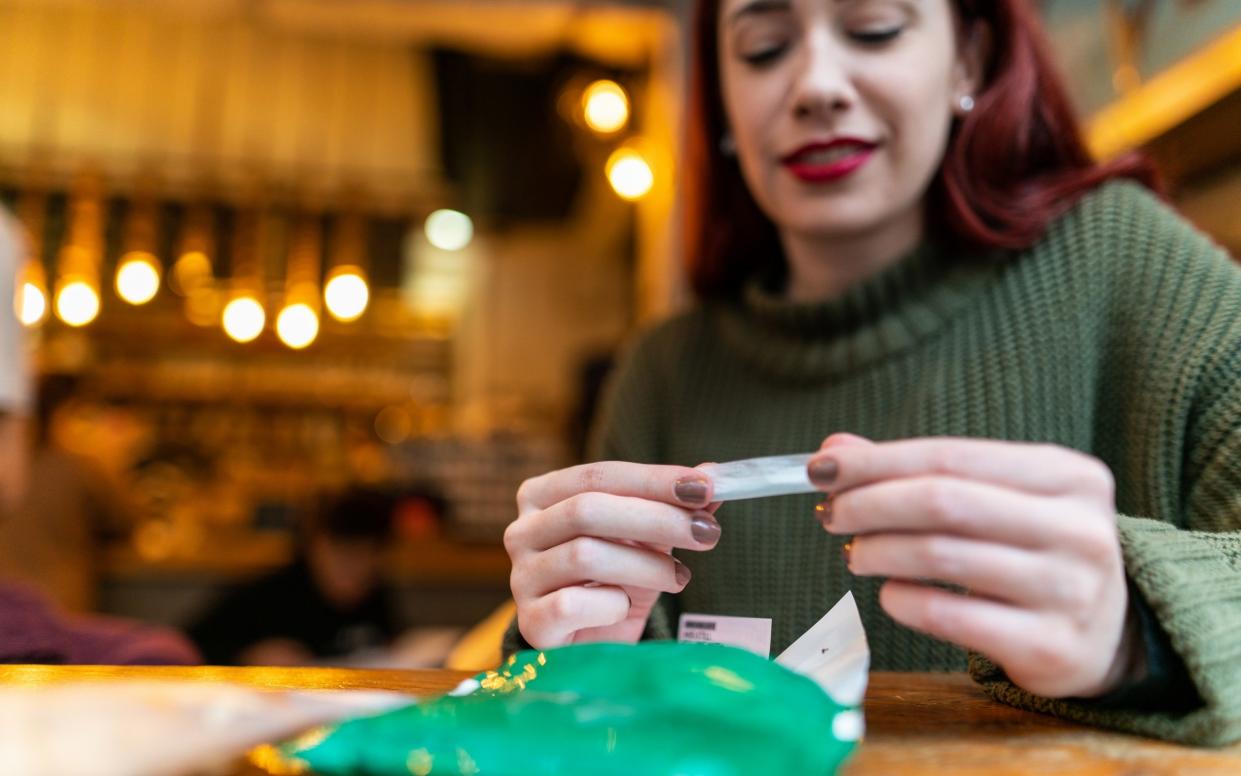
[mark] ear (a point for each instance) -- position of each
(973, 56)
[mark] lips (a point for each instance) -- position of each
(829, 161)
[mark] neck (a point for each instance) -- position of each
(825, 266)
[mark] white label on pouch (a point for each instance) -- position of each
(752, 633)
(834, 653)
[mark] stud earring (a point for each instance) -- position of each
(966, 103)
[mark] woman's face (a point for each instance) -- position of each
(841, 109)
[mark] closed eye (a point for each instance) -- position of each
(764, 56)
(876, 37)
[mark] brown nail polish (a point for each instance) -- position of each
(705, 528)
(691, 490)
(823, 511)
(847, 551)
(822, 471)
(683, 573)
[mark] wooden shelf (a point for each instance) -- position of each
(428, 561)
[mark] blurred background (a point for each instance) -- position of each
(288, 260)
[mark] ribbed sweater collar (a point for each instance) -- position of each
(876, 319)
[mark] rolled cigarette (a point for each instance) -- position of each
(776, 475)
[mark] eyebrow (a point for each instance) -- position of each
(759, 8)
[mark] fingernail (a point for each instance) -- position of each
(691, 490)
(847, 551)
(823, 511)
(683, 573)
(822, 471)
(705, 528)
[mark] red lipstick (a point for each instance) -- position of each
(824, 162)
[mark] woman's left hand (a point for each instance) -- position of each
(1029, 530)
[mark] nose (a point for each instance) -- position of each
(823, 86)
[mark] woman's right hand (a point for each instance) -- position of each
(591, 548)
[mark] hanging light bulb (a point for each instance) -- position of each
(346, 293)
(30, 299)
(630, 174)
(449, 230)
(244, 316)
(137, 277)
(138, 271)
(244, 319)
(192, 269)
(77, 302)
(77, 299)
(297, 324)
(605, 107)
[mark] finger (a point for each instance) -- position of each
(628, 630)
(1037, 468)
(671, 484)
(997, 571)
(551, 620)
(590, 560)
(842, 439)
(1025, 643)
(959, 507)
(613, 517)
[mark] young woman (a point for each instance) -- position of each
(1020, 370)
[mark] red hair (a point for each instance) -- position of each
(1012, 166)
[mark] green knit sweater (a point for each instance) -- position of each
(1119, 334)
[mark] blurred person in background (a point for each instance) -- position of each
(33, 629)
(54, 534)
(329, 604)
(14, 378)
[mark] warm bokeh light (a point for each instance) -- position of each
(202, 306)
(137, 278)
(244, 319)
(393, 425)
(630, 174)
(449, 230)
(30, 304)
(605, 107)
(346, 295)
(297, 326)
(190, 271)
(77, 303)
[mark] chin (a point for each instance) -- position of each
(841, 211)
(829, 223)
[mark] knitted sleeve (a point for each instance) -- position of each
(1185, 563)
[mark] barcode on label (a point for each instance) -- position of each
(696, 625)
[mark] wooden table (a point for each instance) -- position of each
(916, 723)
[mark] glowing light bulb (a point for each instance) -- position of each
(346, 296)
(605, 107)
(137, 278)
(77, 303)
(30, 303)
(449, 230)
(630, 174)
(244, 319)
(297, 326)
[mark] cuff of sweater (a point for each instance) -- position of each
(1164, 683)
(1190, 583)
(513, 641)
